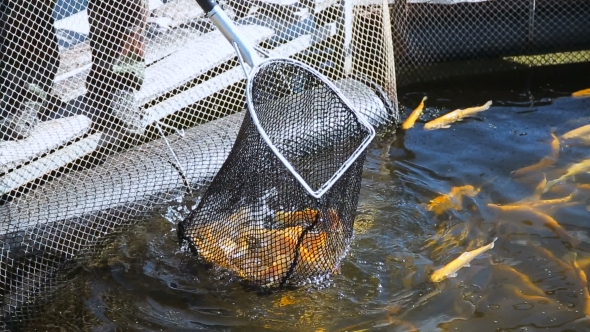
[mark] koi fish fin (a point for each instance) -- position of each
(540, 187)
(550, 185)
(490, 181)
(452, 275)
(493, 242)
(467, 265)
(445, 126)
(570, 257)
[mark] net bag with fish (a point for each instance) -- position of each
(256, 219)
(281, 209)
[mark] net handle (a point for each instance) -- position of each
(230, 31)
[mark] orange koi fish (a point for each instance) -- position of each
(535, 218)
(544, 162)
(583, 278)
(582, 93)
(452, 199)
(293, 218)
(535, 201)
(581, 167)
(524, 284)
(581, 132)
(409, 123)
(266, 255)
(454, 116)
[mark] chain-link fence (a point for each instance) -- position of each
(111, 108)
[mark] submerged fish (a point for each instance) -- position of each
(563, 201)
(409, 123)
(530, 216)
(456, 115)
(452, 199)
(583, 279)
(581, 167)
(583, 262)
(584, 282)
(292, 218)
(581, 132)
(450, 270)
(582, 93)
(535, 201)
(516, 281)
(544, 162)
(267, 256)
(319, 252)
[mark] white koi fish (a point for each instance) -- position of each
(456, 115)
(450, 270)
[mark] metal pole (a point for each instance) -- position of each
(348, 22)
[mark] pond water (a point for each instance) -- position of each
(527, 282)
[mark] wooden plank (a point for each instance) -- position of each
(46, 136)
(173, 15)
(180, 11)
(232, 76)
(75, 61)
(73, 58)
(205, 53)
(72, 84)
(323, 4)
(48, 163)
(168, 43)
(79, 21)
(280, 2)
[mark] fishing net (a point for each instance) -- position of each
(295, 177)
(112, 109)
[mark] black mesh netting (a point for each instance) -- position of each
(442, 38)
(256, 219)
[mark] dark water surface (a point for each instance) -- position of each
(142, 282)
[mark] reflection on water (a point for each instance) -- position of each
(532, 279)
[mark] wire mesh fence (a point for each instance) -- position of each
(112, 108)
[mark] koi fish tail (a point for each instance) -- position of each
(482, 108)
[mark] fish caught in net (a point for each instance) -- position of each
(257, 218)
